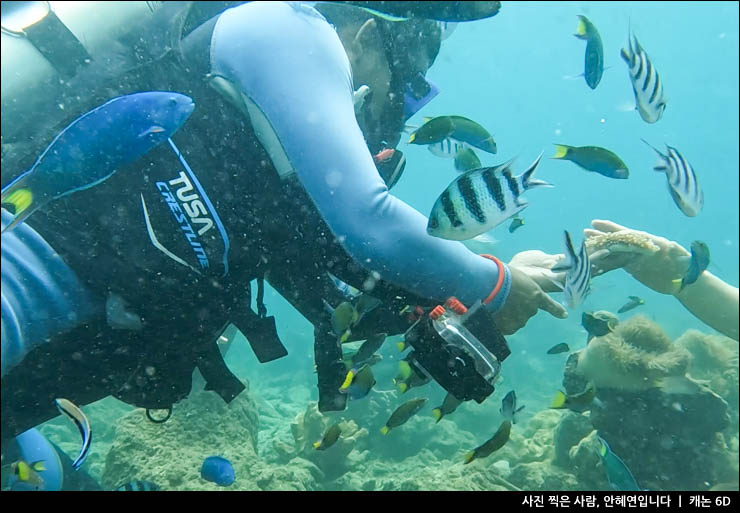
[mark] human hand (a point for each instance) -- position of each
(524, 300)
(656, 269)
(537, 265)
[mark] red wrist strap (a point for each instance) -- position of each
(499, 282)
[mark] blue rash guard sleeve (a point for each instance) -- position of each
(41, 295)
(290, 64)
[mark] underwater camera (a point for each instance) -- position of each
(461, 349)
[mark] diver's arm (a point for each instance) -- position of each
(41, 295)
(714, 302)
(290, 63)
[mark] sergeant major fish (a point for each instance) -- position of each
(645, 80)
(578, 273)
(682, 182)
(594, 63)
(479, 200)
(91, 148)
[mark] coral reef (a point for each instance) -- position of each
(615, 242)
(635, 356)
(665, 425)
(571, 429)
(171, 454)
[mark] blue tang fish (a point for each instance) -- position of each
(90, 149)
(217, 470)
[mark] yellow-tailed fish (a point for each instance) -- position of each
(594, 62)
(497, 441)
(449, 405)
(83, 425)
(330, 438)
(458, 128)
(403, 413)
(576, 402)
(698, 264)
(634, 302)
(358, 382)
(28, 473)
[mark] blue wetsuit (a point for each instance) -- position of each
(292, 68)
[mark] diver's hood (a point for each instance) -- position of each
(56, 55)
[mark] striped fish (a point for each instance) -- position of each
(447, 148)
(682, 182)
(578, 273)
(479, 200)
(645, 80)
(72, 411)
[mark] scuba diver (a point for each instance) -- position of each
(122, 288)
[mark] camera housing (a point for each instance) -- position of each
(462, 352)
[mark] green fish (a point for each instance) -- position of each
(330, 438)
(617, 473)
(699, 263)
(593, 158)
(358, 382)
(576, 402)
(598, 324)
(634, 302)
(559, 348)
(407, 378)
(496, 442)
(449, 405)
(403, 413)
(462, 129)
(466, 159)
(516, 223)
(594, 65)
(343, 317)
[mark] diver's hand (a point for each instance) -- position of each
(537, 265)
(656, 270)
(525, 298)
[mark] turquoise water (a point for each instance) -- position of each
(514, 74)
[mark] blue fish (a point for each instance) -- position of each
(90, 149)
(76, 415)
(698, 264)
(217, 470)
(617, 473)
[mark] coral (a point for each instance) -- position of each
(615, 242)
(635, 356)
(571, 429)
(171, 454)
(714, 358)
(310, 426)
(586, 463)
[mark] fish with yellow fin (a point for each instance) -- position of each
(496, 442)
(449, 405)
(403, 413)
(575, 402)
(330, 438)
